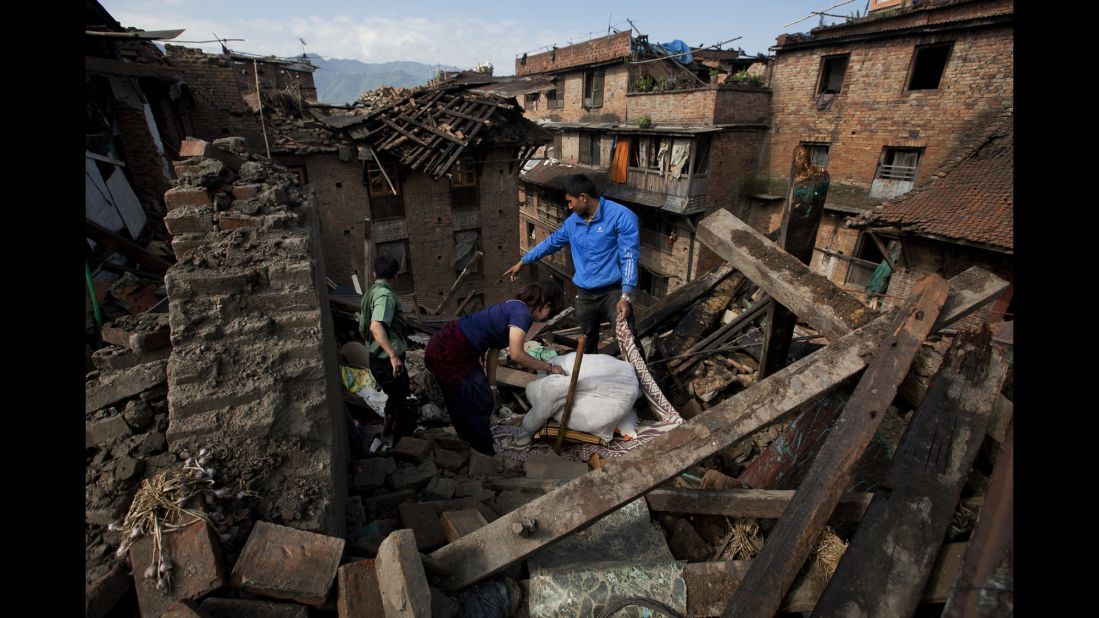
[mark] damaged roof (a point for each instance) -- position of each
(969, 198)
(429, 129)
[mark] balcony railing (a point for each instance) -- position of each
(656, 182)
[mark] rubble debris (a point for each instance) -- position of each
(251, 608)
(411, 449)
(422, 519)
(186, 564)
(286, 563)
(185, 609)
(114, 386)
(457, 524)
(103, 594)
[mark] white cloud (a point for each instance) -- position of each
(451, 40)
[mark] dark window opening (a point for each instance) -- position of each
(466, 244)
(656, 233)
(398, 250)
(652, 284)
(530, 102)
(832, 70)
(702, 155)
(593, 89)
(530, 237)
(818, 154)
(463, 185)
(928, 66)
(555, 99)
(556, 146)
(589, 149)
(899, 164)
(384, 190)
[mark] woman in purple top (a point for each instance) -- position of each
(454, 356)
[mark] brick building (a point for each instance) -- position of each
(881, 102)
(670, 140)
(961, 216)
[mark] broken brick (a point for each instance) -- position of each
(287, 563)
(190, 219)
(423, 520)
(484, 465)
(451, 460)
(243, 192)
(358, 592)
(252, 608)
(104, 593)
(143, 333)
(411, 449)
(440, 488)
(98, 433)
(457, 524)
(117, 358)
(196, 568)
(186, 196)
(371, 473)
(232, 221)
(115, 386)
(405, 478)
(469, 488)
(401, 577)
(191, 147)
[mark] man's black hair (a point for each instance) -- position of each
(385, 267)
(579, 183)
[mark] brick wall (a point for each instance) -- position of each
(253, 371)
(342, 206)
(702, 106)
(143, 162)
(929, 15)
(872, 110)
(217, 84)
(596, 50)
(734, 163)
(615, 78)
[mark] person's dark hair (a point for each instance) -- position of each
(385, 267)
(545, 292)
(579, 183)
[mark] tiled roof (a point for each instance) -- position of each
(969, 198)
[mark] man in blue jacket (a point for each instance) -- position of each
(603, 237)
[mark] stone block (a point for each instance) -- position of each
(196, 569)
(286, 563)
(401, 577)
(100, 433)
(116, 358)
(234, 144)
(115, 386)
(481, 465)
(423, 520)
(385, 505)
(413, 477)
(413, 450)
(448, 459)
(466, 489)
(509, 500)
(439, 488)
(371, 473)
(186, 196)
(457, 524)
(687, 544)
(357, 590)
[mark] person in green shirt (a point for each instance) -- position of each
(382, 326)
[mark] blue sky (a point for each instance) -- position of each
(463, 33)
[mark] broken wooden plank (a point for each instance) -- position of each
(126, 247)
(798, 235)
(985, 585)
(720, 336)
(796, 446)
(514, 377)
(457, 524)
(774, 570)
(828, 309)
(586, 499)
(886, 567)
(472, 264)
(702, 316)
(755, 503)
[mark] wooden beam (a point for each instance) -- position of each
(93, 64)
(723, 334)
(756, 503)
(591, 496)
(473, 261)
(887, 565)
(881, 248)
(829, 310)
(798, 235)
(779, 465)
(774, 570)
(513, 377)
(985, 585)
(126, 247)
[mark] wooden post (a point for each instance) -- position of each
(800, 221)
(886, 567)
(774, 570)
(985, 585)
(581, 341)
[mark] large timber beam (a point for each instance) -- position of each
(587, 498)
(774, 570)
(754, 503)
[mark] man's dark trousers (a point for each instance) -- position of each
(398, 389)
(597, 305)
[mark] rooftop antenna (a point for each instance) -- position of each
(609, 17)
(224, 49)
(302, 46)
(821, 13)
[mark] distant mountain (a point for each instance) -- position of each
(340, 81)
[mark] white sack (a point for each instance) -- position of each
(605, 393)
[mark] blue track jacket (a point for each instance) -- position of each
(604, 251)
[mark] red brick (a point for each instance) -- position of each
(286, 563)
(196, 570)
(106, 592)
(243, 192)
(191, 147)
(187, 169)
(358, 592)
(186, 196)
(232, 221)
(190, 220)
(423, 520)
(457, 524)
(411, 449)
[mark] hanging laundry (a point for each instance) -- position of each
(621, 158)
(681, 150)
(662, 157)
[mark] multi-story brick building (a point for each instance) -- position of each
(670, 140)
(881, 102)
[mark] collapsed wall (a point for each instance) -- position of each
(253, 370)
